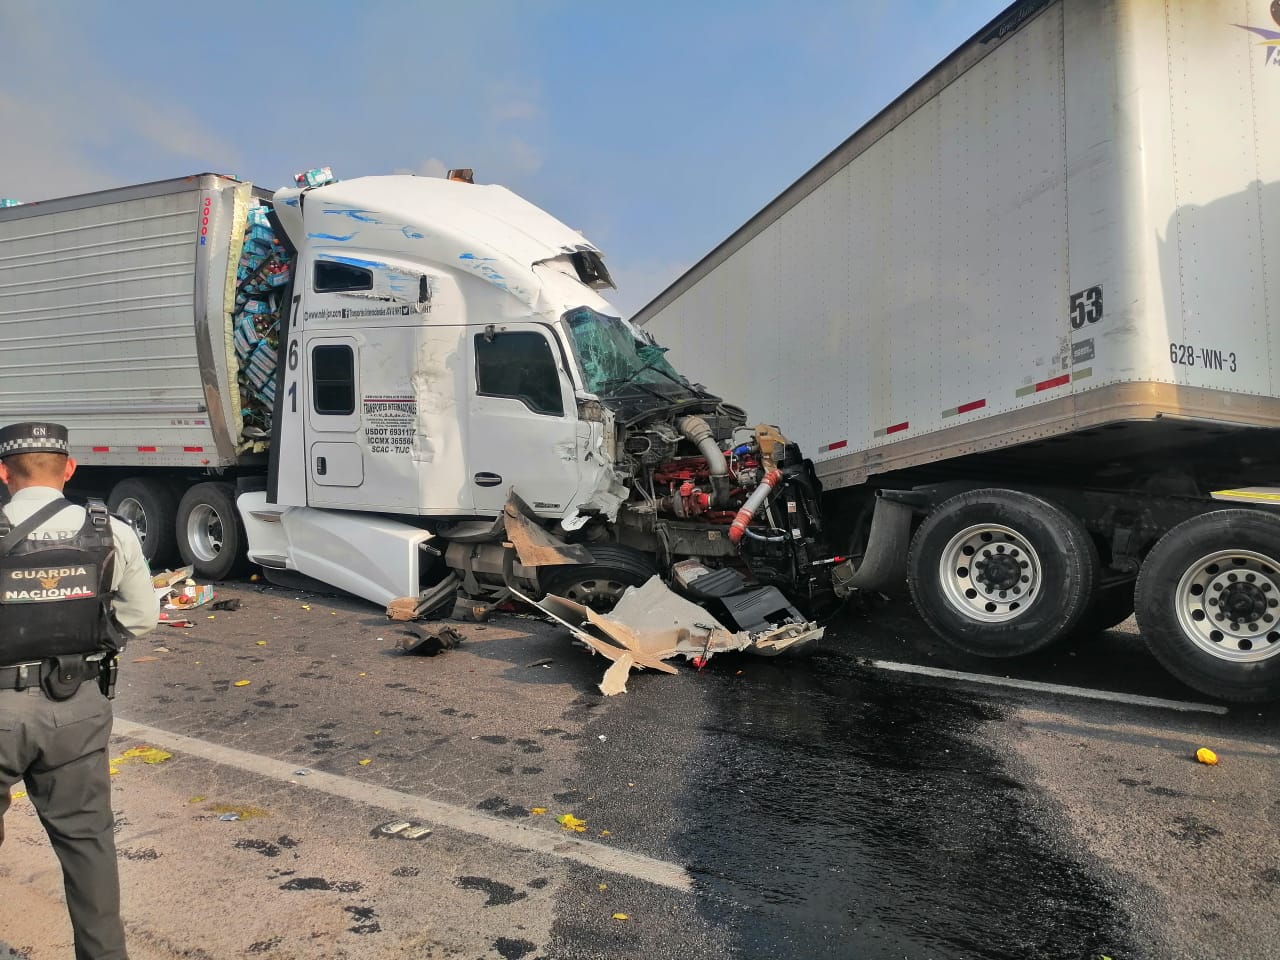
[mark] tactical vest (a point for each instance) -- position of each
(54, 594)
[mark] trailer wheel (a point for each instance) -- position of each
(600, 584)
(1208, 602)
(1000, 573)
(152, 508)
(210, 536)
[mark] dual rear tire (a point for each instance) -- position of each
(198, 524)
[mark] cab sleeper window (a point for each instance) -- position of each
(333, 277)
(519, 366)
(333, 379)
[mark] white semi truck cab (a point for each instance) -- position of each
(449, 368)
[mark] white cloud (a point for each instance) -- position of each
(72, 124)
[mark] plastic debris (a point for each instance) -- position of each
(229, 817)
(144, 753)
(416, 833)
(602, 887)
(545, 662)
(316, 177)
(364, 763)
(262, 643)
(427, 643)
(242, 683)
(8, 202)
(302, 773)
(392, 828)
(569, 822)
(538, 811)
(620, 916)
(1206, 756)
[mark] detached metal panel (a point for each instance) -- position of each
(112, 319)
(1070, 222)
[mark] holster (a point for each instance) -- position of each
(108, 668)
(61, 676)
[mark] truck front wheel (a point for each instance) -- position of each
(210, 536)
(1000, 573)
(151, 508)
(601, 583)
(1208, 603)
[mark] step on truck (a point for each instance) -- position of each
(1035, 301)
(403, 387)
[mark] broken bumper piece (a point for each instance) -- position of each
(652, 623)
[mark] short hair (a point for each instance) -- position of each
(27, 467)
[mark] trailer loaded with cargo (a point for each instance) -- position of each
(1034, 302)
(404, 387)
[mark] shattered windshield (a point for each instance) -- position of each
(617, 359)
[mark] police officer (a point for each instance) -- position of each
(73, 586)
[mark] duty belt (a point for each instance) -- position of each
(20, 676)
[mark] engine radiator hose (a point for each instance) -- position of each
(758, 496)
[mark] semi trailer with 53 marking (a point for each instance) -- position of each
(1027, 322)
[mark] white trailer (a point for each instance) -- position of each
(115, 319)
(1033, 304)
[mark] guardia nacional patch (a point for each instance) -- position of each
(36, 584)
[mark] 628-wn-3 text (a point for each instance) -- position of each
(1189, 356)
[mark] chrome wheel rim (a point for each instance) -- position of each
(990, 573)
(599, 593)
(131, 510)
(204, 533)
(1228, 605)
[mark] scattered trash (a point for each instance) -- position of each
(603, 886)
(602, 738)
(428, 643)
(605, 833)
(159, 649)
(620, 916)
(144, 753)
(233, 812)
(262, 643)
(228, 817)
(538, 811)
(242, 683)
(364, 763)
(569, 822)
(230, 604)
(302, 773)
(1206, 756)
(545, 662)
(402, 830)
(426, 603)
(306, 606)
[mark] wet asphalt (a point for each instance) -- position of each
(823, 808)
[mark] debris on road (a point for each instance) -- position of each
(242, 683)
(427, 643)
(1206, 756)
(229, 817)
(151, 755)
(230, 604)
(569, 822)
(653, 623)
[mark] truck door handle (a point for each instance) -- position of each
(321, 466)
(487, 479)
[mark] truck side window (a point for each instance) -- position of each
(519, 366)
(333, 379)
(333, 277)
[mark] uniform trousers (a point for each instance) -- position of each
(59, 750)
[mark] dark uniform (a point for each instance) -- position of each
(73, 586)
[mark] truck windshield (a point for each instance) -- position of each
(617, 359)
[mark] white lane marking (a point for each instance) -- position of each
(510, 833)
(1054, 688)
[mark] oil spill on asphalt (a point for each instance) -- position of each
(834, 813)
(499, 894)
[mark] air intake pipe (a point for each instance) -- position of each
(697, 430)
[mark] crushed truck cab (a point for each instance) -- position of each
(447, 351)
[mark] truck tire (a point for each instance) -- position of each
(1001, 573)
(601, 583)
(210, 535)
(1197, 580)
(151, 506)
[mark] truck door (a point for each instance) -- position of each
(523, 423)
(335, 465)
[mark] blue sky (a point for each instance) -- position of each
(656, 129)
